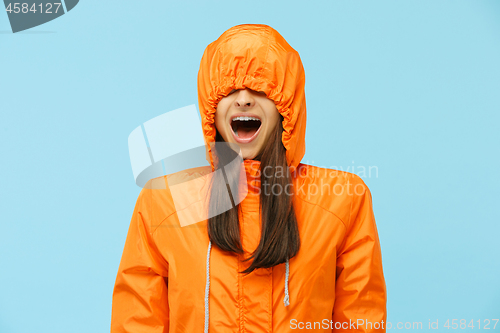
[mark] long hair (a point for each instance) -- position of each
(280, 238)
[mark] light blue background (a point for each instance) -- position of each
(411, 87)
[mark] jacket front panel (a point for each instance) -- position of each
(254, 302)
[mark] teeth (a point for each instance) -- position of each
(236, 132)
(246, 118)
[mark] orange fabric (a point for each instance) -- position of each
(336, 276)
(256, 57)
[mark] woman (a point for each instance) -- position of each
(299, 252)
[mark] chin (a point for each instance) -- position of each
(248, 156)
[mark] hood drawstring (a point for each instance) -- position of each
(207, 287)
(286, 300)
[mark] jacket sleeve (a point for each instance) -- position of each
(140, 298)
(360, 301)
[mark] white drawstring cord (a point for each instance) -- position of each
(207, 288)
(287, 297)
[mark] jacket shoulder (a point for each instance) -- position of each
(161, 194)
(331, 189)
(312, 173)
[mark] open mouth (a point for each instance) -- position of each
(245, 128)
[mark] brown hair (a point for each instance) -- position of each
(280, 238)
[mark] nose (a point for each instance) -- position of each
(244, 99)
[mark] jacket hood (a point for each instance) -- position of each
(257, 57)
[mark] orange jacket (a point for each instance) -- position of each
(171, 280)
